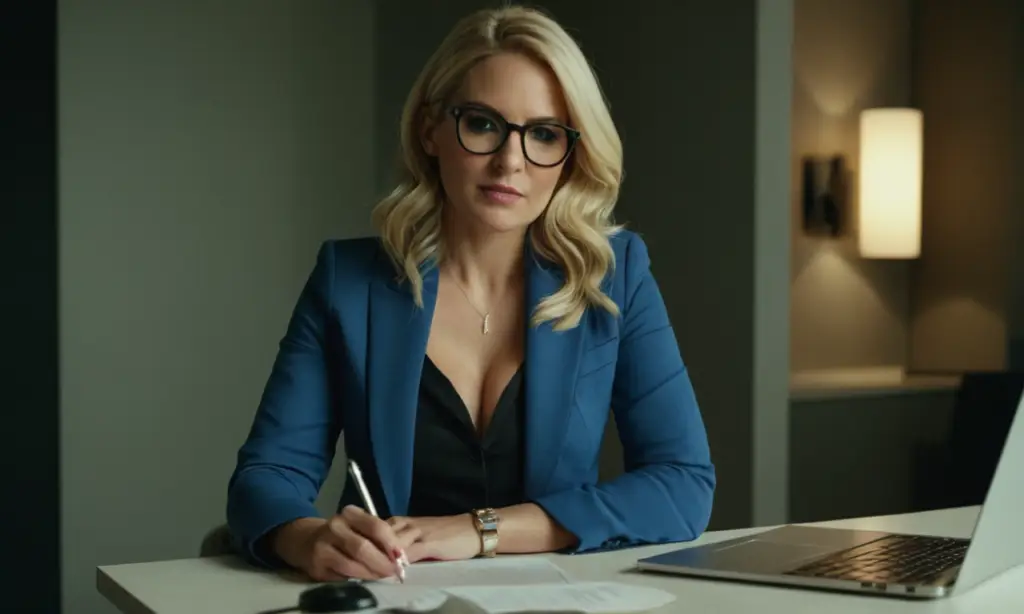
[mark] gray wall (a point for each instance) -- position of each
(968, 284)
(206, 150)
(707, 145)
(846, 312)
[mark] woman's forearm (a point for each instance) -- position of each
(527, 528)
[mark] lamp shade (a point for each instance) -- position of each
(890, 178)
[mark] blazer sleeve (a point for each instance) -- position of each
(666, 491)
(291, 443)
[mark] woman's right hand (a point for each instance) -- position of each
(352, 544)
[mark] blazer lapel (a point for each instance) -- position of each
(552, 359)
(398, 332)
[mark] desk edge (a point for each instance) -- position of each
(118, 596)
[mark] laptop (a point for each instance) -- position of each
(885, 564)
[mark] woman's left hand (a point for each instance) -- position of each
(442, 538)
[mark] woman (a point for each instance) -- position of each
(469, 355)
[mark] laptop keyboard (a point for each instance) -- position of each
(899, 559)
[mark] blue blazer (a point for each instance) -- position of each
(350, 363)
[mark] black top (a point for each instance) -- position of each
(455, 471)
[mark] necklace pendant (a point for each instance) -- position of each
(487, 323)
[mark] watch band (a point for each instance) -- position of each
(487, 521)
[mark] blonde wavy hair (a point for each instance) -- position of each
(573, 231)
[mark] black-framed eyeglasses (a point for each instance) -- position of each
(483, 131)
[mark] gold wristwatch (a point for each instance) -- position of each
(486, 521)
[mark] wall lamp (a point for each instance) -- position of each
(889, 186)
(890, 178)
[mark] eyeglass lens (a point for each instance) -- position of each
(483, 132)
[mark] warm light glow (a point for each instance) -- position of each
(890, 183)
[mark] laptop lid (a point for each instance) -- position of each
(997, 544)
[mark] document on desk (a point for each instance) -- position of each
(509, 585)
(425, 583)
(485, 572)
(577, 598)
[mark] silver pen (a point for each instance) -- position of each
(364, 494)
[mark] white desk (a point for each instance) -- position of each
(227, 586)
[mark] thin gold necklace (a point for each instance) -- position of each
(486, 327)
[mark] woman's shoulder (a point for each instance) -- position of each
(632, 260)
(354, 250)
(356, 260)
(630, 266)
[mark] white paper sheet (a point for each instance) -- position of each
(483, 572)
(577, 598)
(511, 584)
(425, 582)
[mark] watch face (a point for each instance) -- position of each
(488, 519)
